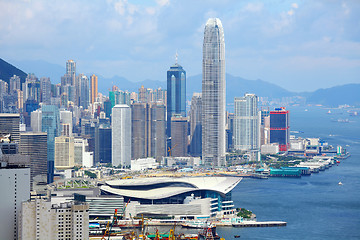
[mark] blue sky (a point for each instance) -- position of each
(299, 45)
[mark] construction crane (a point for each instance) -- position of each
(109, 226)
(169, 149)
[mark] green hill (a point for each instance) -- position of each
(7, 71)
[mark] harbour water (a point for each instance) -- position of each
(316, 206)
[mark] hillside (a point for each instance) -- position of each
(335, 96)
(7, 71)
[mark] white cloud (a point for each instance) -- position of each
(163, 3)
(294, 5)
(290, 12)
(253, 7)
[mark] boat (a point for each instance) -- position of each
(209, 233)
(340, 183)
(194, 224)
(236, 236)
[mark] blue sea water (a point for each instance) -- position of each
(314, 207)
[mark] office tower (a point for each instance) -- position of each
(9, 124)
(139, 130)
(14, 188)
(148, 130)
(105, 144)
(195, 125)
(107, 108)
(45, 86)
(84, 92)
(158, 131)
(213, 94)
(34, 144)
(279, 128)
(66, 122)
(71, 71)
(121, 135)
(176, 94)
(179, 136)
(230, 132)
(64, 152)
(44, 219)
(94, 88)
(246, 123)
(36, 119)
(51, 125)
(15, 83)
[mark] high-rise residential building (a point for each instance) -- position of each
(246, 123)
(71, 71)
(94, 88)
(213, 94)
(84, 92)
(14, 188)
(15, 83)
(195, 125)
(119, 97)
(148, 130)
(179, 136)
(44, 219)
(51, 125)
(4, 87)
(9, 124)
(36, 119)
(45, 86)
(34, 144)
(121, 135)
(31, 88)
(176, 94)
(279, 128)
(64, 152)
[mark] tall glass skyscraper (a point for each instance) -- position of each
(247, 123)
(51, 125)
(176, 94)
(213, 94)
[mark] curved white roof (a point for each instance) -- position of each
(223, 185)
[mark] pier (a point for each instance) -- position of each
(260, 224)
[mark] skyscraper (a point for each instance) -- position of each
(94, 88)
(213, 94)
(50, 124)
(176, 94)
(148, 130)
(195, 125)
(179, 136)
(45, 86)
(71, 71)
(9, 124)
(34, 144)
(279, 128)
(121, 135)
(247, 123)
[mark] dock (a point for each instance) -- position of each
(260, 224)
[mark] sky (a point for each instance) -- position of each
(298, 45)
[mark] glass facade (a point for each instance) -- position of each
(246, 124)
(51, 125)
(213, 94)
(176, 90)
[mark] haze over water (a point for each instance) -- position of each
(315, 207)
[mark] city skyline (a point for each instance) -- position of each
(297, 45)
